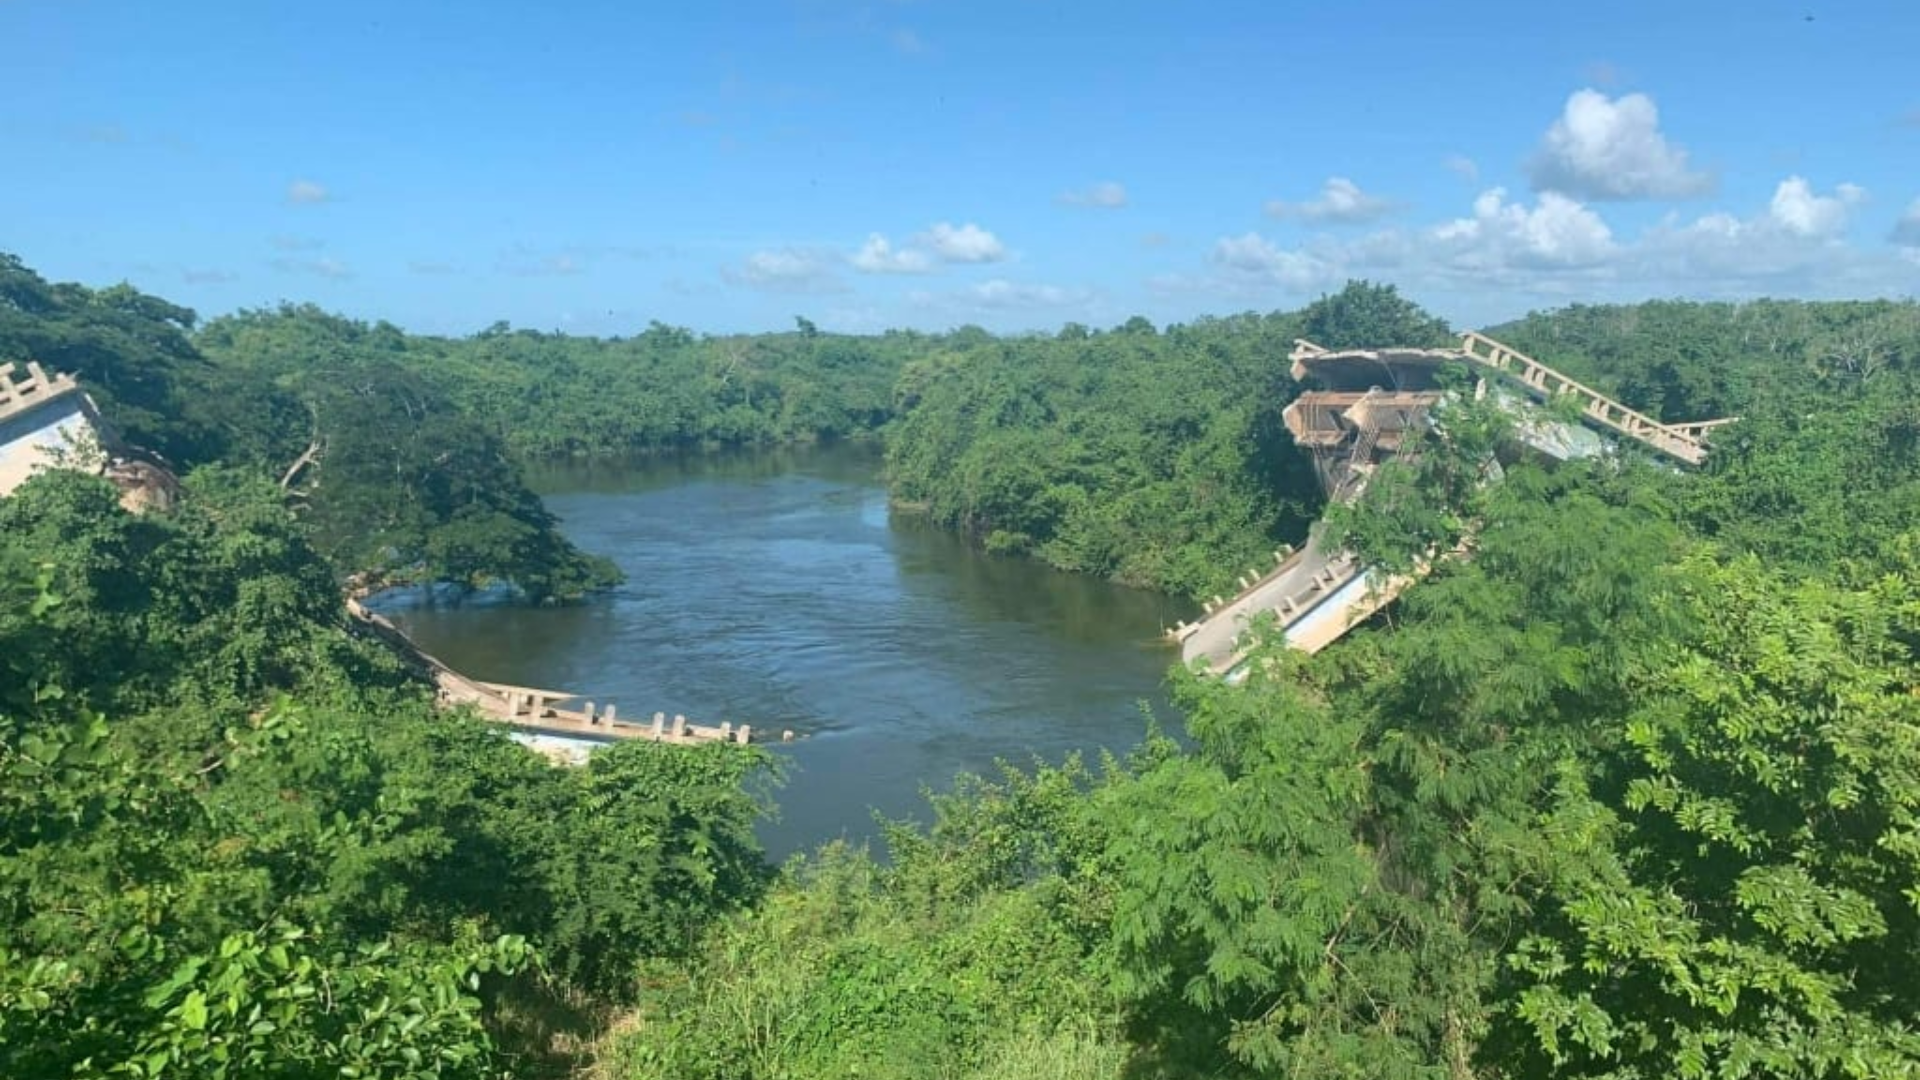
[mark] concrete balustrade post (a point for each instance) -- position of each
(659, 725)
(679, 726)
(741, 736)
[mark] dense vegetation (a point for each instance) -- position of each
(1632, 791)
(240, 842)
(558, 394)
(1157, 458)
(397, 482)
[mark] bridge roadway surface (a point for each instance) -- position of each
(538, 712)
(1300, 579)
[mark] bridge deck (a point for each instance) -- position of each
(539, 711)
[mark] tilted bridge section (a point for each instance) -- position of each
(1379, 401)
(540, 712)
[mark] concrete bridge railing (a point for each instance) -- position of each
(541, 712)
(18, 395)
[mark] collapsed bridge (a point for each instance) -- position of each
(1378, 402)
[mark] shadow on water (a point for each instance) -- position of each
(775, 588)
(848, 462)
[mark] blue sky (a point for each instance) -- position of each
(925, 163)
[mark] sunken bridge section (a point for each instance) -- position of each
(1377, 404)
(541, 712)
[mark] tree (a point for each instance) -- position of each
(1364, 315)
(130, 350)
(1731, 892)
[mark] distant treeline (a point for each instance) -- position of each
(543, 393)
(1154, 456)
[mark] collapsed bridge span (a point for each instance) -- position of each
(541, 712)
(1378, 404)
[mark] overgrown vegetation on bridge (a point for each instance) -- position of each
(1634, 791)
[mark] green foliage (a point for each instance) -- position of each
(977, 950)
(1681, 360)
(410, 488)
(1595, 807)
(543, 393)
(276, 1003)
(1156, 459)
(1815, 483)
(399, 481)
(219, 602)
(132, 351)
(1741, 896)
(221, 884)
(1364, 315)
(140, 938)
(1629, 786)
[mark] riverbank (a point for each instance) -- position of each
(776, 589)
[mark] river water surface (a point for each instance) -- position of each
(777, 589)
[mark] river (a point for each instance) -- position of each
(777, 589)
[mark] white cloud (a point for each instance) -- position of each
(1253, 258)
(877, 256)
(561, 265)
(907, 42)
(1507, 254)
(968, 243)
(1601, 148)
(193, 276)
(1557, 233)
(307, 193)
(1000, 293)
(1105, 195)
(788, 270)
(941, 243)
(1341, 202)
(1906, 231)
(1463, 167)
(1798, 210)
(331, 269)
(1799, 236)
